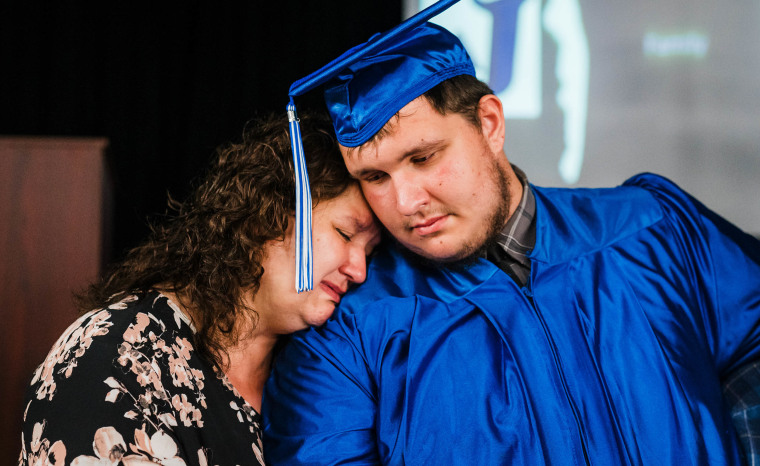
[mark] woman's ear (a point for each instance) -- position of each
(491, 116)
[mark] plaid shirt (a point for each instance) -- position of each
(741, 390)
(518, 237)
(742, 394)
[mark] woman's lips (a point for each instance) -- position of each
(332, 290)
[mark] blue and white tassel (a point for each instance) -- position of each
(304, 272)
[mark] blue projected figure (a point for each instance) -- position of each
(505, 40)
(563, 21)
(504, 14)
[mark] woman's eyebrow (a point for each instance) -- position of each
(358, 225)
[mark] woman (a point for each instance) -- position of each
(170, 366)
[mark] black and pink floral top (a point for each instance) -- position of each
(123, 385)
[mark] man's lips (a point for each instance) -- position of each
(430, 225)
(333, 290)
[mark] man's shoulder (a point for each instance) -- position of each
(396, 275)
(396, 289)
(640, 191)
(573, 221)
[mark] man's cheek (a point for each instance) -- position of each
(382, 206)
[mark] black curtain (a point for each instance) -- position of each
(165, 82)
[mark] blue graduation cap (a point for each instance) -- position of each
(364, 88)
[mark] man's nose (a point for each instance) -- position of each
(410, 196)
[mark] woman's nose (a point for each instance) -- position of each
(355, 266)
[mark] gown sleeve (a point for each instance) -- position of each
(727, 262)
(725, 268)
(319, 404)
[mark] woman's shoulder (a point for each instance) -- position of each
(151, 310)
(101, 336)
(129, 374)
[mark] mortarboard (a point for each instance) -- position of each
(364, 88)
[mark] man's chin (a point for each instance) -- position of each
(460, 259)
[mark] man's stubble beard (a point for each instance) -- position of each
(474, 249)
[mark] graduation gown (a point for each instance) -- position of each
(639, 300)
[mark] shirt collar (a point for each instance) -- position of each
(518, 237)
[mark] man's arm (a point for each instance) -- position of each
(319, 404)
(722, 264)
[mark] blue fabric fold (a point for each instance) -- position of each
(640, 300)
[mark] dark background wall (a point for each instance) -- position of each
(165, 83)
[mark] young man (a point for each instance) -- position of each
(596, 332)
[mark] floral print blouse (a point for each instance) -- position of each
(123, 385)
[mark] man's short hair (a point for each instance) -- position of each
(460, 94)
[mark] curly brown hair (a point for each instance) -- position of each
(210, 248)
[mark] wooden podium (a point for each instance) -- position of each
(54, 212)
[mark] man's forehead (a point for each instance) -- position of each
(370, 149)
(354, 154)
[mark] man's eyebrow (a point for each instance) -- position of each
(424, 147)
(362, 173)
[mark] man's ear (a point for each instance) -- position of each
(491, 116)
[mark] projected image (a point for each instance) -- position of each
(505, 40)
(595, 92)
